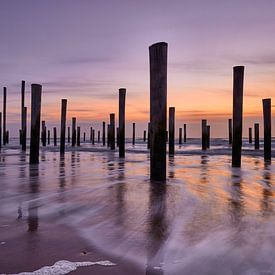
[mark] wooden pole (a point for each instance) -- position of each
(84, 136)
(93, 140)
(78, 136)
(256, 136)
(103, 133)
(148, 137)
(24, 130)
(63, 125)
(7, 137)
(158, 110)
(121, 126)
(204, 134)
(54, 136)
(208, 136)
(98, 136)
(108, 135)
(134, 134)
(171, 130)
(144, 136)
(22, 108)
(230, 130)
(184, 133)
(73, 131)
(267, 129)
(49, 137)
(237, 115)
(91, 134)
(69, 134)
(180, 136)
(250, 135)
(0, 130)
(43, 133)
(112, 131)
(36, 91)
(117, 136)
(4, 114)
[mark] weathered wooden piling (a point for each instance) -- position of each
(98, 136)
(267, 129)
(257, 136)
(24, 130)
(69, 134)
(63, 125)
(171, 130)
(237, 115)
(103, 133)
(22, 108)
(230, 131)
(36, 91)
(44, 133)
(73, 131)
(180, 136)
(93, 138)
(148, 137)
(108, 135)
(0, 130)
(204, 134)
(91, 134)
(117, 136)
(158, 110)
(54, 136)
(112, 131)
(208, 136)
(134, 134)
(49, 137)
(78, 136)
(184, 133)
(84, 136)
(144, 136)
(7, 137)
(4, 114)
(250, 135)
(121, 125)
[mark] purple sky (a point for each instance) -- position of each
(86, 50)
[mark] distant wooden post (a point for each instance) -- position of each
(117, 136)
(98, 136)
(54, 136)
(73, 131)
(24, 130)
(78, 136)
(267, 129)
(49, 137)
(208, 136)
(112, 131)
(36, 91)
(204, 134)
(44, 133)
(171, 130)
(144, 136)
(158, 110)
(0, 130)
(91, 134)
(184, 133)
(63, 125)
(250, 135)
(84, 136)
(121, 126)
(134, 134)
(69, 134)
(256, 136)
(22, 107)
(108, 135)
(93, 138)
(103, 133)
(230, 130)
(7, 137)
(148, 136)
(180, 136)
(237, 115)
(4, 114)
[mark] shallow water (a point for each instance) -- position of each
(207, 219)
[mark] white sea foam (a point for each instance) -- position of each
(63, 267)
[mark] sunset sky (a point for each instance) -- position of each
(85, 50)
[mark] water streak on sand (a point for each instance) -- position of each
(63, 267)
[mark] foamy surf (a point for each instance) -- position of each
(63, 267)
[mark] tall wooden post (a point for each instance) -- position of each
(0, 130)
(121, 126)
(204, 134)
(112, 131)
(148, 137)
(44, 133)
(73, 131)
(69, 134)
(84, 136)
(93, 138)
(184, 133)
(180, 136)
(117, 136)
(7, 136)
(22, 107)
(91, 134)
(36, 91)
(63, 125)
(256, 136)
(144, 136)
(134, 134)
(267, 129)
(49, 137)
(78, 136)
(250, 135)
(54, 136)
(98, 136)
(171, 130)
(208, 136)
(158, 110)
(237, 115)
(4, 114)
(230, 130)
(24, 130)
(103, 133)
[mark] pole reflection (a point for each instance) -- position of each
(266, 204)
